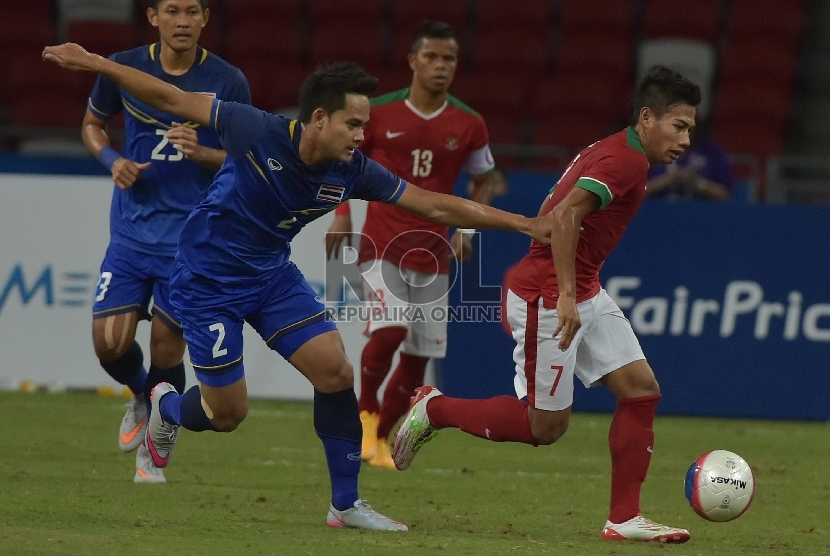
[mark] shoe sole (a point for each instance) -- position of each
(143, 478)
(670, 538)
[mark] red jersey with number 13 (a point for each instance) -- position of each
(616, 170)
(429, 151)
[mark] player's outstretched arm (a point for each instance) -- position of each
(463, 213)
(153, 91)
(566, 219)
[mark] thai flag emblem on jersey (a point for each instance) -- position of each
(331, 193)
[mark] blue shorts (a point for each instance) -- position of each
(286, 312)
(129, 279)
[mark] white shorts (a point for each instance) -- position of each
(404, 297)
(604, 343)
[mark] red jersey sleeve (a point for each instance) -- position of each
(619, 173)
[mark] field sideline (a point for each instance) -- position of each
(263, 490)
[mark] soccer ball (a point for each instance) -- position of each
(720, 485)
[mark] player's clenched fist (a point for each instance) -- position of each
(71, 56)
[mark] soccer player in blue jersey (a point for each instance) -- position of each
(233, 261)
(163, 171)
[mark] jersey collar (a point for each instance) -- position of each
(201, 54)
(421, 114)
(633, 139)
(295, 130)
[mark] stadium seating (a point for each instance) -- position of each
(490, 92)
(571, 130)
(524, 26)
(327, 44)
(24, 30)
(757, 72)
(678, 19)
(781, 21)
(103, 37)
(612, 17)
(748, 56)
(529, 53)
(759, 105)
(510, 12)
(363, 11)
(367, 40)
(539, 58)
(277, 11)
(580, 92)
(395, 77)
(244, 43)
(599, 52)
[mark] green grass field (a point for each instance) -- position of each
(67, 489)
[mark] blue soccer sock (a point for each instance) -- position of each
(129, 369)
(337, 422)
(186, 410)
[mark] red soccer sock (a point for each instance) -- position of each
(501, 419)
(407, 377)
(375, 362)
(631, 439)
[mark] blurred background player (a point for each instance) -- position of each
(164, 171)
(280, 175)
(703, 171)
(427, 136)
(565, 324)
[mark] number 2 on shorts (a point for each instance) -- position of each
(218, 350)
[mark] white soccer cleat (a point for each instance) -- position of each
(161, 437)
(642, 529)
(133, 425)
(362, 516)
(145, 470)
(416, 429)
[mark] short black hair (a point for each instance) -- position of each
(431, 30)
(661, 88)
(328, 86)
(156, 3)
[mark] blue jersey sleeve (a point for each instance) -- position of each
(376, 183)
(239, 91)
(239, 126)
(105, 98)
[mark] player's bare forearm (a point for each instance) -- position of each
(566, 221)
(565, 228)
(212, 159)
(484, 187)
(155, 92)
(94, 136)
(450, 210)
(339, 230)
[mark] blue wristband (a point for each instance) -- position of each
(108, 156)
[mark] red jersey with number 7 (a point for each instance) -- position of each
(429, 150)
(616, 170)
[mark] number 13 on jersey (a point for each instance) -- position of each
(421, 163)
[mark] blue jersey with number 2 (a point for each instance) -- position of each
(265, 194)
